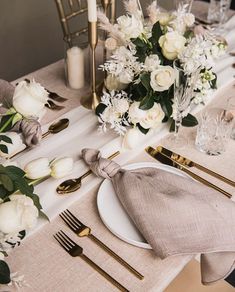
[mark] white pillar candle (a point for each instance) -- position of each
(75, 67)
(92, 10)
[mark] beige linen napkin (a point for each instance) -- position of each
(30, 128)
(176, 215)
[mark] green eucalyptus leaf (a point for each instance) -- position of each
(36, 201)
(189, 121)
(145, 80)
(4, 273)
(7, 182)
(143, 130)
(3, 148)
(156, 33)
(14, 172)
(147, 102)
(43, 215)
(100, 108)
(5, 139)
(22, 185)
(3, 192)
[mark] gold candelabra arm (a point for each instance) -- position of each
(113, 11)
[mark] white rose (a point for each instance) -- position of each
(120, 105)
(132, 138)
(189, 19)
(151, 62)
(29, 99)
(153, 117)
(130, 26)
(172, 43)
(112, 83)
(162, 78)
(61, 167)
(16, 146)
(135, 113)
(18, 214)
(37, 168)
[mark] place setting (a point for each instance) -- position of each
(132, 153)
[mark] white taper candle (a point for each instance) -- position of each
(92, 10)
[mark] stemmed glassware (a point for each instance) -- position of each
(183, 94)
(184, 2)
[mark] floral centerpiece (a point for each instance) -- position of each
(140, 74)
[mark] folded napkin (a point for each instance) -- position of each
(30, 128)
(176, 215)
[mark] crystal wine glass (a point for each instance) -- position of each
(183, 93)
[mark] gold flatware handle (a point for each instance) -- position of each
(103, 273)
(204, 181)
(189, 163)
(198, 178)
(215, 174)
(90, 171)
(115, 256)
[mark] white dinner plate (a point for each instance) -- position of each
(114, 215)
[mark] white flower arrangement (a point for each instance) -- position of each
(140, 74)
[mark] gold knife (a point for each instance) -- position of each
(169, 161)
(189, 163)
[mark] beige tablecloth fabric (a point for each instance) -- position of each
(46, 266)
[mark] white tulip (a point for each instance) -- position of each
(18, 214)
(61, 167)
(29, 99)
(162, 78)
(16, 146)
(37, 168)
(132, 138)
(172, 43)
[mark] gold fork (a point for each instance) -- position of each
(82, 230)
(77, 251)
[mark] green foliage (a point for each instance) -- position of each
(5, 139)
(189, 121)
(143, 130)
(4, 273)
(100, 108)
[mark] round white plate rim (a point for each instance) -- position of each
(107, 181)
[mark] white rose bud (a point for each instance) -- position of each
(162, 78)
(132, 138)
(29, 99)
(151, 62)
(18, 214)
(172, 43)
(16, 146)
(37, 168)
(61, 167)
(112, 83)
(153, 117)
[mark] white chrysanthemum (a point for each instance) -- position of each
(120, 105)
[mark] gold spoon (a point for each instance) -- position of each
(57, 127)
(53, 129)
(72, 185)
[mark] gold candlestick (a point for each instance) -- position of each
(113, 11)
(91, 102)
(105, 4)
